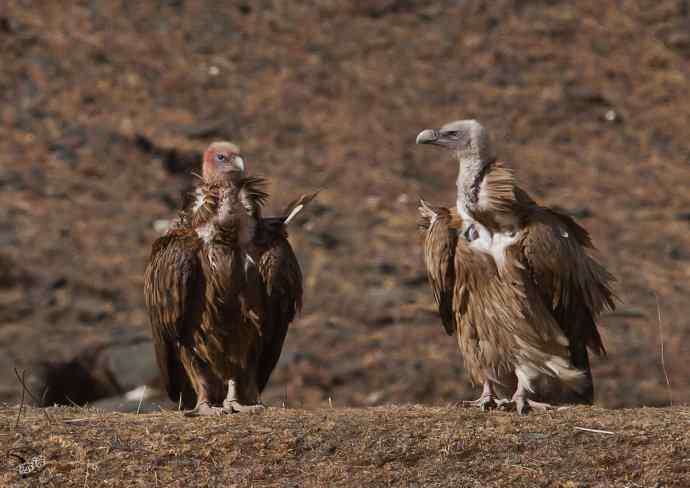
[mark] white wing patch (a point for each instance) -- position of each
(294, 212)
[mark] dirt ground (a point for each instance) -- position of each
(106, 105)
(411, 446)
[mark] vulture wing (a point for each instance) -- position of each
(282, 278)
(439, 256)
(173, 304)
(571, 282)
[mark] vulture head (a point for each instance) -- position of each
(222, 160)
(468, 138)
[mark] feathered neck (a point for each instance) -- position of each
(211, 197)
(487, 193)
(475, 160)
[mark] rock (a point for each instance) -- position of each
(92, 374)
(142, 399)
(75, 381)
(161, 226)
(132, 365)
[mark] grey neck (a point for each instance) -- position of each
(474, 162)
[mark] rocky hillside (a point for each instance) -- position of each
(106, 105)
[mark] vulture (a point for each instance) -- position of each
(514, 280)
(222, 286)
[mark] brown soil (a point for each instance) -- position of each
(106, 105)
(383, 446)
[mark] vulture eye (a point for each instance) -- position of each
(452, 133)
(220, 157)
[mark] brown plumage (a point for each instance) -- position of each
(210, 291)
(514, 280)
(282, 280)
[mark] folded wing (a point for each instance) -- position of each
(440, 241)
(173, 304)
(282, 278)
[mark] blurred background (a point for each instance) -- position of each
(106, 105)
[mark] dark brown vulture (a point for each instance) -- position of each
(221, 287)
(515, 280)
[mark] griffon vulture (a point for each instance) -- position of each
(515, 280)
(221, 287)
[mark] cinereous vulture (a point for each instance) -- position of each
(222, 286)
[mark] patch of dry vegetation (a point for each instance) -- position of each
(384, 446)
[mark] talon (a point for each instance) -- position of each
(204, 409)
(539, 405)
(486, 404)
(234, 406)
(487, 400)
(521, 406)
(505, 404)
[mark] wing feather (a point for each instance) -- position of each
(439, 257)
(282, 278)
(572, 283)
(171, 293)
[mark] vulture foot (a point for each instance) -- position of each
(204, 409)
(523, 405)
(487, 401)
(233, 406)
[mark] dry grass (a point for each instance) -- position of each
(385, 446)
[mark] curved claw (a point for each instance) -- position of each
(234, 406)
(523, 405)
(485, 403)
(205, 409)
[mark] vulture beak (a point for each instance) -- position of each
(428, 136)
(238, 164)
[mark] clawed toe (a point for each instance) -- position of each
(504, 403)
(539, 405)
(237, 407)
(205, 410)
(523, 406)
(485, 403)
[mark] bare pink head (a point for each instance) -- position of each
(222, 159)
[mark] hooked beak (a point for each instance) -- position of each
(428, 136)
(237, 164)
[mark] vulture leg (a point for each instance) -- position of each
(487, 400)
(232, 402)
(203, 383)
